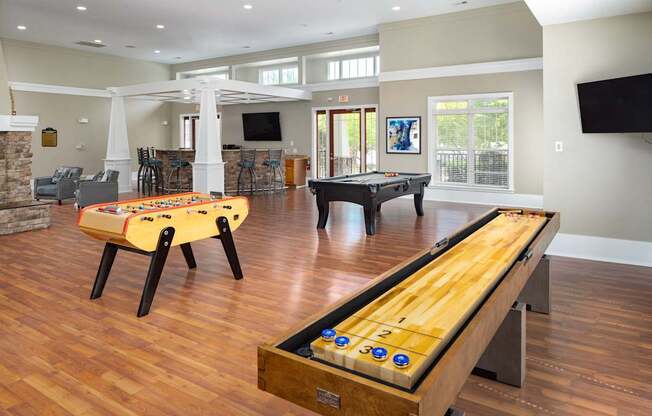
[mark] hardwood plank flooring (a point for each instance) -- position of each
(195, 354)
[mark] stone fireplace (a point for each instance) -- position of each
(18, 211)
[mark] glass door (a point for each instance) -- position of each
(323, 159)
(371, 140)
(345, 142)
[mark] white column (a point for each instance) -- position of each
(208, 169)
(117, 147)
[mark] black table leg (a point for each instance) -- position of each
(323, 207)
(155, 270)
(418, 202)
(229, 246)
(370, 218)
(103, 271)
(378, 208)
(189, 256)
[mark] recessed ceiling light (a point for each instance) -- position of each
(330, 33)
(129, 46)
(248, 7)
(21, 27)
(396, 8)
(157, 51)
(186, 98)
(460, 3)
(246, 47)
(81, 8)
(177, 57)
(186, 92)
(97, 41)
(160, 26)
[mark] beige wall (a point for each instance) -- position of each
(5, 102)
(144, 122)
(601, 183)
(482, 35)
(42, 64)
(29, 62)
(296, 123)
(409, 98)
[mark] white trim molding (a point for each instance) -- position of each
(18, 123)
(483, 197)
(612, 250)
(513, 65)
(58, 89)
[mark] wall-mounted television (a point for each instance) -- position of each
(261, 126)
(619, 105)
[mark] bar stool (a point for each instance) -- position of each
(141, 167)
(247, 163)
(176, 164)
(150, 177)
(273, 164)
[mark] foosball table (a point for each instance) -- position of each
(150, 226)
(405, 344)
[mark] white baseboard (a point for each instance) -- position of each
(602, 249)
(484, 197)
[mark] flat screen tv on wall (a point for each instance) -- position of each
(619, 105)
(261, 126)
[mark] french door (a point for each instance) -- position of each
(346, 141)
(190, 129)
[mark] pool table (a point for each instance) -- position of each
(369, 190)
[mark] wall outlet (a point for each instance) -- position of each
(82, 120)
(559, 146)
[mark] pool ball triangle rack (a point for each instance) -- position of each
(405, 344)
(151, 226)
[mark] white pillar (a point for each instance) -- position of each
(208, 169)
(117, 147)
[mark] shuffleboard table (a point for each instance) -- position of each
(369, 190)
(405, 344)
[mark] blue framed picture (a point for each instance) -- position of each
(404, 135)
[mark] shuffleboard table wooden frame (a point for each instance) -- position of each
(284, 369)
(369, 195)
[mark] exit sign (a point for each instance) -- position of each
(343, 99)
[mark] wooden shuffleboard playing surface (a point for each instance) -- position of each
(420, 315)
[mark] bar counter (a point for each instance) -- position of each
(231, 157)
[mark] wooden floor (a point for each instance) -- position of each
(195, 354)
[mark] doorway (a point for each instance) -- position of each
(189, 129)
(345, 140)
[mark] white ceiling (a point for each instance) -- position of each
(551, 12)
(197, 29)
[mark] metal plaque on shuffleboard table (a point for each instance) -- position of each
(49, 137)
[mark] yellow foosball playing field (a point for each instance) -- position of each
(150, 226)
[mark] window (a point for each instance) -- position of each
(472, 140)
(354, 68)
(279, 75)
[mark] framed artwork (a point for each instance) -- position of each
(49, 137)
(404, 135)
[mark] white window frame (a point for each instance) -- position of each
(375, 63)
(279, 69)
(181, 126)
(206, 72)
(432, 138)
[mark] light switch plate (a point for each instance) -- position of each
(559, 146)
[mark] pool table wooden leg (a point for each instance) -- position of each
(370, 218)
(323, 207)
(418, 202)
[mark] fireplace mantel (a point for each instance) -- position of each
(18, 123)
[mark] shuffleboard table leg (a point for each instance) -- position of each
(156, 265)
(418, 201)
(370, 218)
(323, 207)
(110, 250)
(188, 255)
(536, 293)
(229, 246)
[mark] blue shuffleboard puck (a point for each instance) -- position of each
(328, 334)
(379, 354)
(401, 360)
(342, 342)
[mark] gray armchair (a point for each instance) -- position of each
(59, 186)
(103, 188)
